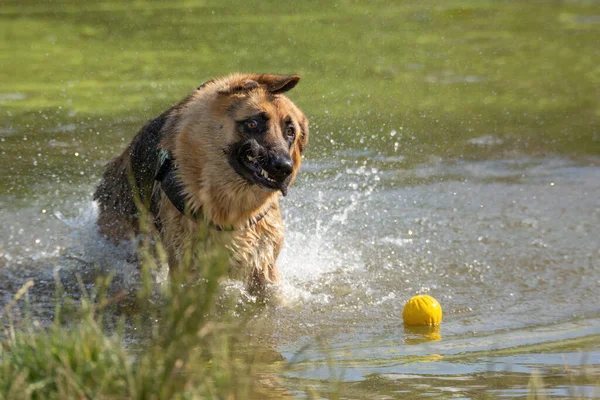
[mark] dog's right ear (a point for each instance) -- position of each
(278, 83)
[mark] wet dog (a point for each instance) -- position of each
(217, 161)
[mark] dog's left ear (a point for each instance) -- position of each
(278, 83)
(273, 83)
(239, 86)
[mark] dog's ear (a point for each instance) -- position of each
(278, 83)
(239, 86)
(274, 83)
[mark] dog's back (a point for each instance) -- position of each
(125, 191)
(127, 183)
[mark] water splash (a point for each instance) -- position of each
(316, 252)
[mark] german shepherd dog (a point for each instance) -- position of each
(216, 161)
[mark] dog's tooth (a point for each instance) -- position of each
(264, 173)
(250, 158)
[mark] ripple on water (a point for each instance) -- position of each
(512, 261)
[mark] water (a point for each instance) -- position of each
(509, 248)
(438, 164)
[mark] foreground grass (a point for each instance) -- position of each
(184, 348)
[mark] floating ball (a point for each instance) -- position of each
(422, 310)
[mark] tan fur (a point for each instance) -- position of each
(196, 132)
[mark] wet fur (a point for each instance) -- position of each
(198, 132)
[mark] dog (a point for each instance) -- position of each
(215, 162)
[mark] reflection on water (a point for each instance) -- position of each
(421, 334)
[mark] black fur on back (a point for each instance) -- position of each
(129, 179)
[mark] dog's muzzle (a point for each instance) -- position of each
(269, 169)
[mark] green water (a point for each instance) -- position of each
(454, 151)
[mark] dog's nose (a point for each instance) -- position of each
(282, 165)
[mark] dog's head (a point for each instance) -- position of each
(237, 141)
(263, 132)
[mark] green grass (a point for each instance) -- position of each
(182, 344)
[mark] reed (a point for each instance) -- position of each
(175, 342)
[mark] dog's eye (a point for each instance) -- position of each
(251, 124)
(290, 131)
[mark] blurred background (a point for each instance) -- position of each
(454, 151)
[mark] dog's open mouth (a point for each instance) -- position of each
(250, 161)
(258, 174)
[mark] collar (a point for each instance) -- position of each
(173, 188)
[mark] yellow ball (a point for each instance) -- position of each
(422, 310)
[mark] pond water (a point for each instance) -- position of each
(455, 151)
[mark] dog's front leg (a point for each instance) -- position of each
(263, 284)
